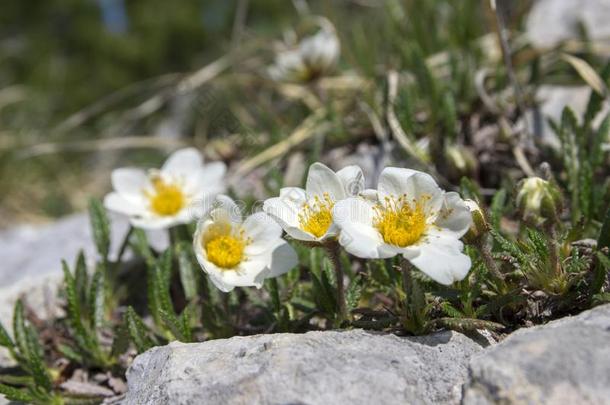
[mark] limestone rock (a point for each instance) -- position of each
(564, 362)
(552, 21)
(350, 367)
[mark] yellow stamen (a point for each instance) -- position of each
(167, 199)
(224, 246)
(401, 222)
(317, 217)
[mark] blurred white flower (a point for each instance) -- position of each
(240, 253)
(307, 214)
(157, 199)
(410, 216)
(313, 57)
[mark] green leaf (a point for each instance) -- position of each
(274, 293)
(324, 300)
(19, 331)
(81, 277)
(353, 293)
(120, 343)
(97, 300)
(139, 243)
(5, 339)
(81, 334)
(498, 203)
(469, 189)
(100, 227)
(188, 273)
(70, 353)
(138, 332)
(35, 361)
(15, 394)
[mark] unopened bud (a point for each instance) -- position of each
(479, 226)
(539, 200)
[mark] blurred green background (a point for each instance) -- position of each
(76, 73)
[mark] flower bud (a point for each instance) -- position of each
(461, 160)
(538, 200)
(479, 226)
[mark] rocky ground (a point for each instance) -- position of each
(565, 361)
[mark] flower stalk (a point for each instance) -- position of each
(334, 254)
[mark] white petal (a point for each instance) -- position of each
(354, 216)
(263, 231)
(183, 163)
(207, 179)
(129, 183)
(246, 273)
(455, 215)
(294, 195)
(225, 206)
(151, 223)
(321, 180)
(440, 257)
(287, 215)
(299, 234)
(117, 203)
(369, 194)
(352, 179)
(397, 181)
(283, 258)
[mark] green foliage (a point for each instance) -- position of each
(100, 227)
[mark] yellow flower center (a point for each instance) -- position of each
(317, 217)
(167, 199)
(225, 248)
(399, 221)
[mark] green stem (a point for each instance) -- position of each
(334, 254)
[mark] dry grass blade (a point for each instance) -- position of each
(131, 142)
(310, 127)
(587, 73)
(84, 115)
(395, 128)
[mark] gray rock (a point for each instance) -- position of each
(552, 21)
(350, 367)
(551, 102)
(564, 362)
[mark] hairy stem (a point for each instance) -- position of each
(484, 249)
(553, 247)
(333, 251)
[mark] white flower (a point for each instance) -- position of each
(314, 56)
(236, 253)
(158, 199)
(411, 216)
(307, 214)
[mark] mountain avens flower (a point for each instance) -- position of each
(307, 215)
(410, 216)
(162, 198)
(313, 57)
(240, 253)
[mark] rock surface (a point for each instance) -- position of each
(552, 21)
(564, 362)
(350, 367)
